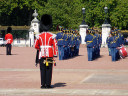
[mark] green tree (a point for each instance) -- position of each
(119, 14)
(65, 12)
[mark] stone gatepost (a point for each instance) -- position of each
(106, 28)
(31, 37)
(83, 29)
(35, 23)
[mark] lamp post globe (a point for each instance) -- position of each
(83, 11)
(106, 11)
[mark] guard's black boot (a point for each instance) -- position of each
(43, 86)
(48, 86)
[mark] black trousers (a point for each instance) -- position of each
(8, 49)
(45, 72)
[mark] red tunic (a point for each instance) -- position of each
(56, 49)
(46, 44)
(9, 38)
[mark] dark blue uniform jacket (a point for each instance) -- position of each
(89, 40)
(60, 38)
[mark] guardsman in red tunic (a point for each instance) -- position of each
(9, 40)
(46, 44)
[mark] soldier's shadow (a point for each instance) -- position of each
(101, 56)
(74, 57)
(14, 54)
(59, 85)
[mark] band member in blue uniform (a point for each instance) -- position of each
(121, 41)
(71, 44)
(74, 43)
(108, 44)
(65, 44)
(114, 42)
(96, 54)
(78, 42)
(90, 44)
(121, 37)
(99, 43)
(68, 43)
(60, 43)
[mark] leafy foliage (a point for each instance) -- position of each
(66, 13)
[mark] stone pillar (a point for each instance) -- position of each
(106, 28)
(35, 23)
(31, 37)
(83, 29)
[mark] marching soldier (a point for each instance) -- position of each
(114, 42)
(121, 41)
(75, 39)
(65, 44)
(108, 44)
(72, 44)
(60, 43)
(69, 43)
(89, 39)
(78, 42)
(9, 40)
(46, 45)
(96, 44)
(99, 42)
(121, 37)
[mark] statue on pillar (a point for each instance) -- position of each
(83, 28)
(106, 28)
(31, 37)
(35, 23)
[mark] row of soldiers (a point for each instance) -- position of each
(93, 42)
(68, 42)
(114, 41)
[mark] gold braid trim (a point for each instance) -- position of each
(61, 38)
(114, 40)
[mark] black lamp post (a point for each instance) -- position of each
(83, 11)
(106, 11)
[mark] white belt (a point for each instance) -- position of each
(45, 47)
(44, 51)
(8, 40)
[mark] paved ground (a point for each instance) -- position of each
(75, 76)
